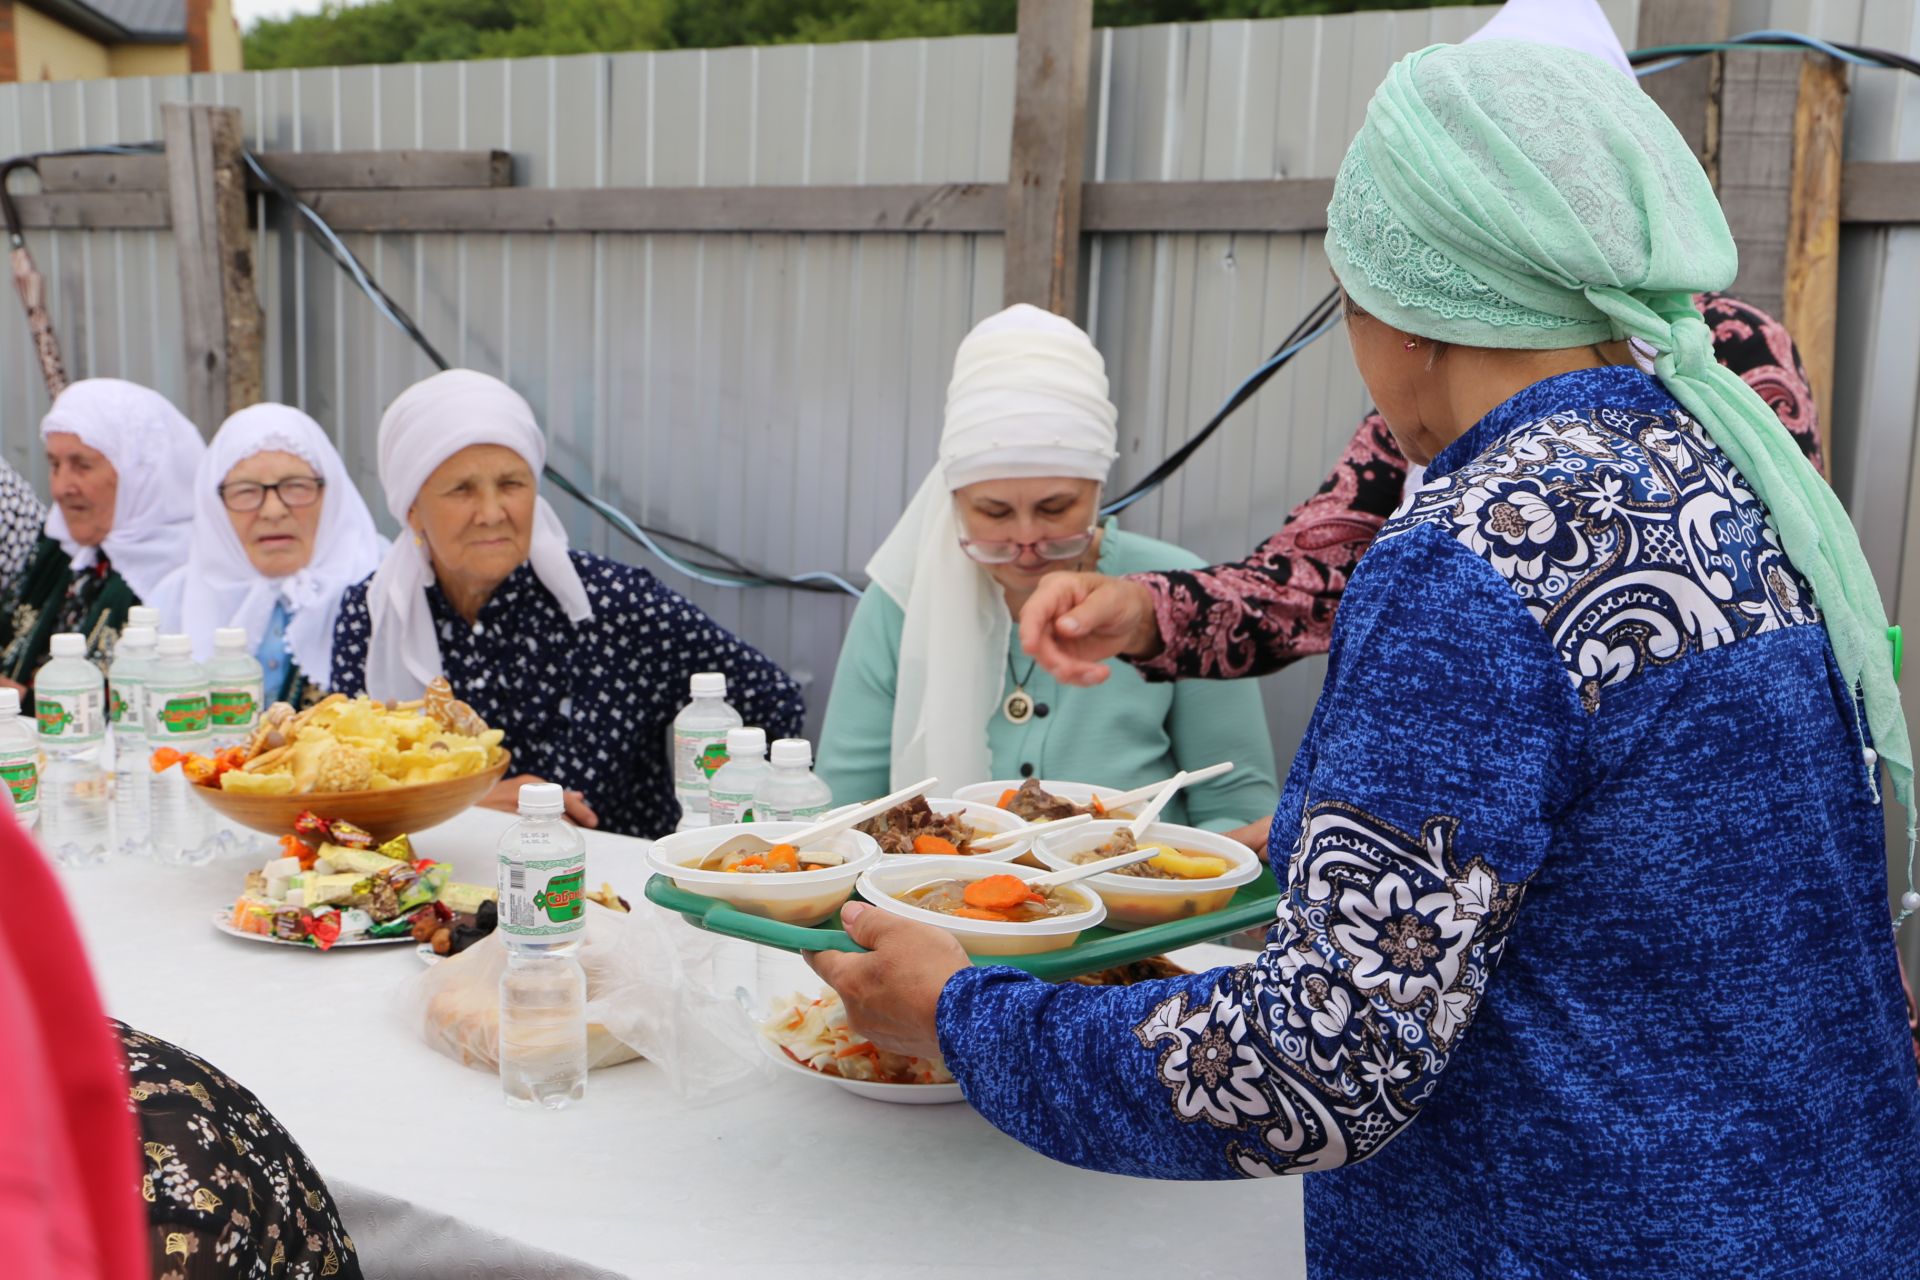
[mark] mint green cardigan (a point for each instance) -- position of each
(1123, 733)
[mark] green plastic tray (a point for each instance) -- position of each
(1098, 948)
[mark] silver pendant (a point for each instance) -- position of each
(1018, 707)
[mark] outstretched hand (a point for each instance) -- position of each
(892, 991)
(1074, 622)
(505, 796)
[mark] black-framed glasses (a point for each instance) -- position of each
(294, 491)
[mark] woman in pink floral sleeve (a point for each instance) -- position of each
(1257, 615)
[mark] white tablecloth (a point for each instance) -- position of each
(436, 1177)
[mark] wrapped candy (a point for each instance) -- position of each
(313, 826)
(399, 848)
(324, 929)
(348, 836)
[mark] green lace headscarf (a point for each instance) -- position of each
(1515, 195)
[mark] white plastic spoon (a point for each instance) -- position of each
(1138, 827)
(1006, 838)
(1152, 789)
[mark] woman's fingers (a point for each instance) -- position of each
(892, 991)
(1254, 835)
(1075, 622)
(580, 811)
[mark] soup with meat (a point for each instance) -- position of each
(1035, 803)
(914, 827)
(1169, 864)
(1001, 899)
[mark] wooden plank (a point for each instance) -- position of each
(1689, 93)
(303, 170)
(96, 211)
(1813, 230)
(1053, 52)
(1279, 206)
(952, 207)
(1885, 193)
(221, 322)
(1758, 93)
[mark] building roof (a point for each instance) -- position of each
(121, 21)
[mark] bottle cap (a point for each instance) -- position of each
(542, 798)
(747, 744)
(709, 682)
(176, 647)
(138, 637)
(69, 644)
(9, 703)
(793, 752)
(230, 638)
(144, 615)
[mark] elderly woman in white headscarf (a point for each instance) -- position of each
(279, 532)
(931, 680)
(120, 466)
(583, 661)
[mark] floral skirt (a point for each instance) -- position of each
(229, 1192)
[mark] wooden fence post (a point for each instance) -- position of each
(1048, 153)
(220, 309)
(1813, 229)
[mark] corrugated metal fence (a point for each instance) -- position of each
(779, 395)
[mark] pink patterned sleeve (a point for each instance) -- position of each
(1253, 617)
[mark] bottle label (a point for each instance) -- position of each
(70, 717)
(724, 807)
(543, 897)
(179, 715)
(22, 776)
(123, 710)
(697, 757)
(235, 708)
(795, 815)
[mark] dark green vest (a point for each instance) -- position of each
(52, 598)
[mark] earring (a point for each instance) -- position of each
(1411, 343)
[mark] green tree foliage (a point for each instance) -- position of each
(438, 30)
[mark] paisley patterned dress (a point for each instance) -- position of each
(1581, 962)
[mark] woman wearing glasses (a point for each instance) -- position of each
(120, 464)
(279, 532)
(931, 679)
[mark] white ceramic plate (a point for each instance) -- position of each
(223, 921)
(916, 1094)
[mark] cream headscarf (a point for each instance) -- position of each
(1028, 398)
(429, 423)
(155, 451)
(219, 587)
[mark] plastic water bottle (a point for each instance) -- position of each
(730, 794)
(144, 615)
(700, 745)
(178, 717)
(236, 684)
(790, 792)
(543, 993)
(19, 760)
(127, 730)
(70, 705)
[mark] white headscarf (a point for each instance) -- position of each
(1568, 24)
(219, 587)
(154, 450)
(429, 423)
(1028, 398)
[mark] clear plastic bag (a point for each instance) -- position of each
(655, 990)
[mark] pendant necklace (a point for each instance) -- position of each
(1018, 708)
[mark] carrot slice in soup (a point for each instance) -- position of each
(933, 844)
(996, 893)
(1006, 798)
(981, 913)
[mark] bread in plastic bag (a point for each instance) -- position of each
(655, 990)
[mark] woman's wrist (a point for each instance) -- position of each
(1143, 643)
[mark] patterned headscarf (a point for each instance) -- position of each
(1510, 195)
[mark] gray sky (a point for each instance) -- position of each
(247, 12)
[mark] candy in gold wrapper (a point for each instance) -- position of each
(400, 847)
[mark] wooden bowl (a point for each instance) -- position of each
(389, 813)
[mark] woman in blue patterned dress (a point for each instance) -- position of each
(583, 661)
(1580, 966)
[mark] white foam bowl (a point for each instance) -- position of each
(878, 885)
(1135, 901)
(1081, 793)
(793, 897)
(981, 817)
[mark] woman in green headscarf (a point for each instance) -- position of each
(1619, 672)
